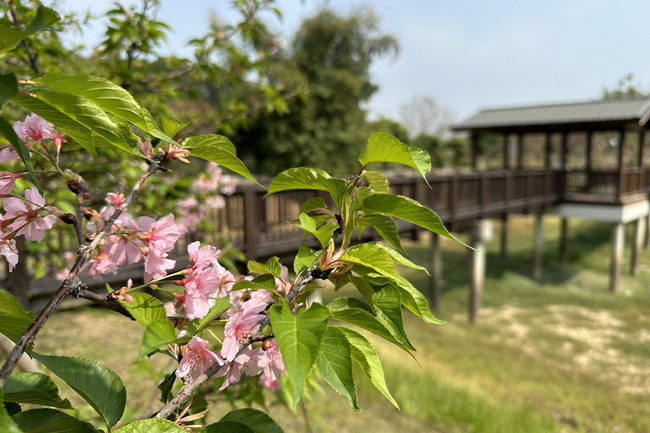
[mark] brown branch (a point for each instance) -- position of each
(71, 283)
(188, 389)
(104, 301)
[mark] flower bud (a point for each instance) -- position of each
(76, 183)
(68, 218)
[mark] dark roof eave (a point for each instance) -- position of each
(628, 124)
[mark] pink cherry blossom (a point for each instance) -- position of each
(8, 249)
(34, 128)
(282, 285)
(268, 360)
(7, 181)
(102, 264)
(228, 185)
(243, 322)
(197, 358)
(232, 370)
(31, 218)
(115, 199)
(159, 238)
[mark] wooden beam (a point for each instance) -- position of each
(504, 236)
(589, 151)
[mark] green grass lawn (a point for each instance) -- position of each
(562, 355)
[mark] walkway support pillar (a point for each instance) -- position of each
(538, 248)
(647, 230)
(504, 236)
(636, 246)
(618, 244)
(435, 267)
(477, 263)
(564, 241)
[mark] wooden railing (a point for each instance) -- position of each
(259, 227)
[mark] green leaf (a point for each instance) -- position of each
(348, 215)
(397, 257)
(34, 388)
(387, 306)
(335, 364)
(323, 234)
(171, 127)
(385, 226)
(262, 282)
(221, 306)
(219, 149)
(8, 87)
(256, 420)
(272, 267)
(106, 95)
(80, 133)
(145, 309)
(408, 210)
(20, 148)
(378, 182)
(166, 386)
(156, 335)
(366, 356)
(308, 178)
(375, 257)
(384, 147)
(95, 382)
(313, 204)
(73, 111)
(51, 421)
(228, 427)
(10, 37)
(7, 425)
(151, 426)
(306, 258)
(355, 312)
(299, 339)
(14, 320)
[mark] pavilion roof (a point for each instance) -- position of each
(591, 115)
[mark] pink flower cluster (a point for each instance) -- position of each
(128, 241)
(26, 216)
(34, 130)
(206, 194)
(266, 359)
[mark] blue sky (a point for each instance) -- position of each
(470, 54)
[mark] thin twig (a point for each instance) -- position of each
(104, 301)
(71, 282)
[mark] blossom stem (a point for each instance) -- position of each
(71, 282)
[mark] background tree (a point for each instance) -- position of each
(330, 60)
(424, 115)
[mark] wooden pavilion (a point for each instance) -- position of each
(598, 151)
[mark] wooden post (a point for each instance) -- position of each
(506, 152)
(250, 222)
(504, 236)
(636, 246)
(620, 164)
(618, 243)
(548, 151)
(474, 139)
(477, 263)
(435, 267)
(588, 162)
(538, 247)
(564, 238)
(642, 159)
(520, 151)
